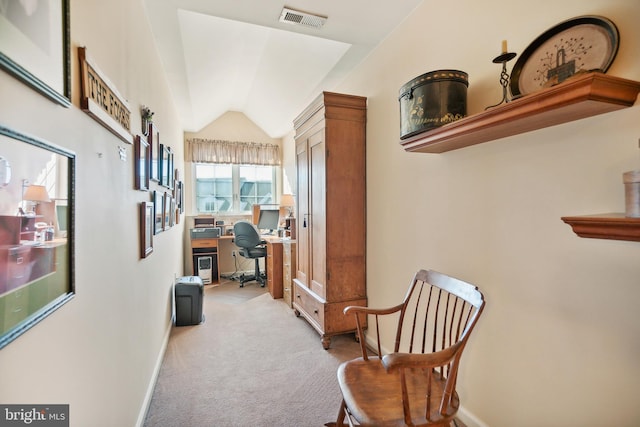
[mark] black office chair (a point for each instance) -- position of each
(251, 246)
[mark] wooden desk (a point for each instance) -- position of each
(274, 266)
(209, 248)
(273, 262)
(288, 269)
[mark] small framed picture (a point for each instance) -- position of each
(158, 212)
(142, 163)
(146, 229)
(154, 146)
(165, 154)
(166, 220)
(171, 179)
(172, 211)
(176, 187)
(180, 196)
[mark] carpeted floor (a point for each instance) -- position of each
(251, 363)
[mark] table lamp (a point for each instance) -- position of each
(36, 194)
(287, 201)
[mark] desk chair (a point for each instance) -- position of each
(251, 246)
(415, 384)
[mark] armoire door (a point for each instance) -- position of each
(302, 204)
(318, 217)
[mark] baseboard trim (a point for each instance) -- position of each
(469, 419)
(154, 378)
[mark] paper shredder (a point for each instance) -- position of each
(189, 295)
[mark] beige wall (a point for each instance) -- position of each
(559, 342)
(233, 126)
(99, 351)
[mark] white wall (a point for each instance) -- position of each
(233, 126)
(99, 351)
(559, 342)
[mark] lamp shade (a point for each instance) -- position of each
(287, 201)
(36, 193)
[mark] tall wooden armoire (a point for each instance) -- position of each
(331, 206)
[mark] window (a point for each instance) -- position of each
(225, 188)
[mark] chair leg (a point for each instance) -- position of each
(244, 279)
(257, 274)
(341, 415)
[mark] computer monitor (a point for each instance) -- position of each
(269, 219)
(62, 219)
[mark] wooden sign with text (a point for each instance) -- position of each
(101, 100)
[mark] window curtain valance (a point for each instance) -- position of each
(241, 153)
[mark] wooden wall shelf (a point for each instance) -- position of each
(579, 97)
(614, 226)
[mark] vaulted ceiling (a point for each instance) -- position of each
(236, 55)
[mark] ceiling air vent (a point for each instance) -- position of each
(291, 16)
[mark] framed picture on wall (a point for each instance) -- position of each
(180, 196)
(172, 211)
(158, 212)
(171, 179)
(146, 229)
(166, 220)
(165, 152)
(34, 46)
(37, 240)
(142, 163)
(153, 138)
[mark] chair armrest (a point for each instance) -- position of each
(394, 361)
(356, 309)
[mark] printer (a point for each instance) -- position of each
(205, 233)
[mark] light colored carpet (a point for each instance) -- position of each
(251, 363)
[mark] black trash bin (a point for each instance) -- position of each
(189, 293)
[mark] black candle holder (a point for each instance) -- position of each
(504, 76)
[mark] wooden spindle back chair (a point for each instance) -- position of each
(415, 385)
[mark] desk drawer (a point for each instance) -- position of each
(309, 305)
(204, 243)
(16, 307)
(19, 267)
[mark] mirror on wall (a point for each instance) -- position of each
(36, 231)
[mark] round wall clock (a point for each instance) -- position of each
(578, 45)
